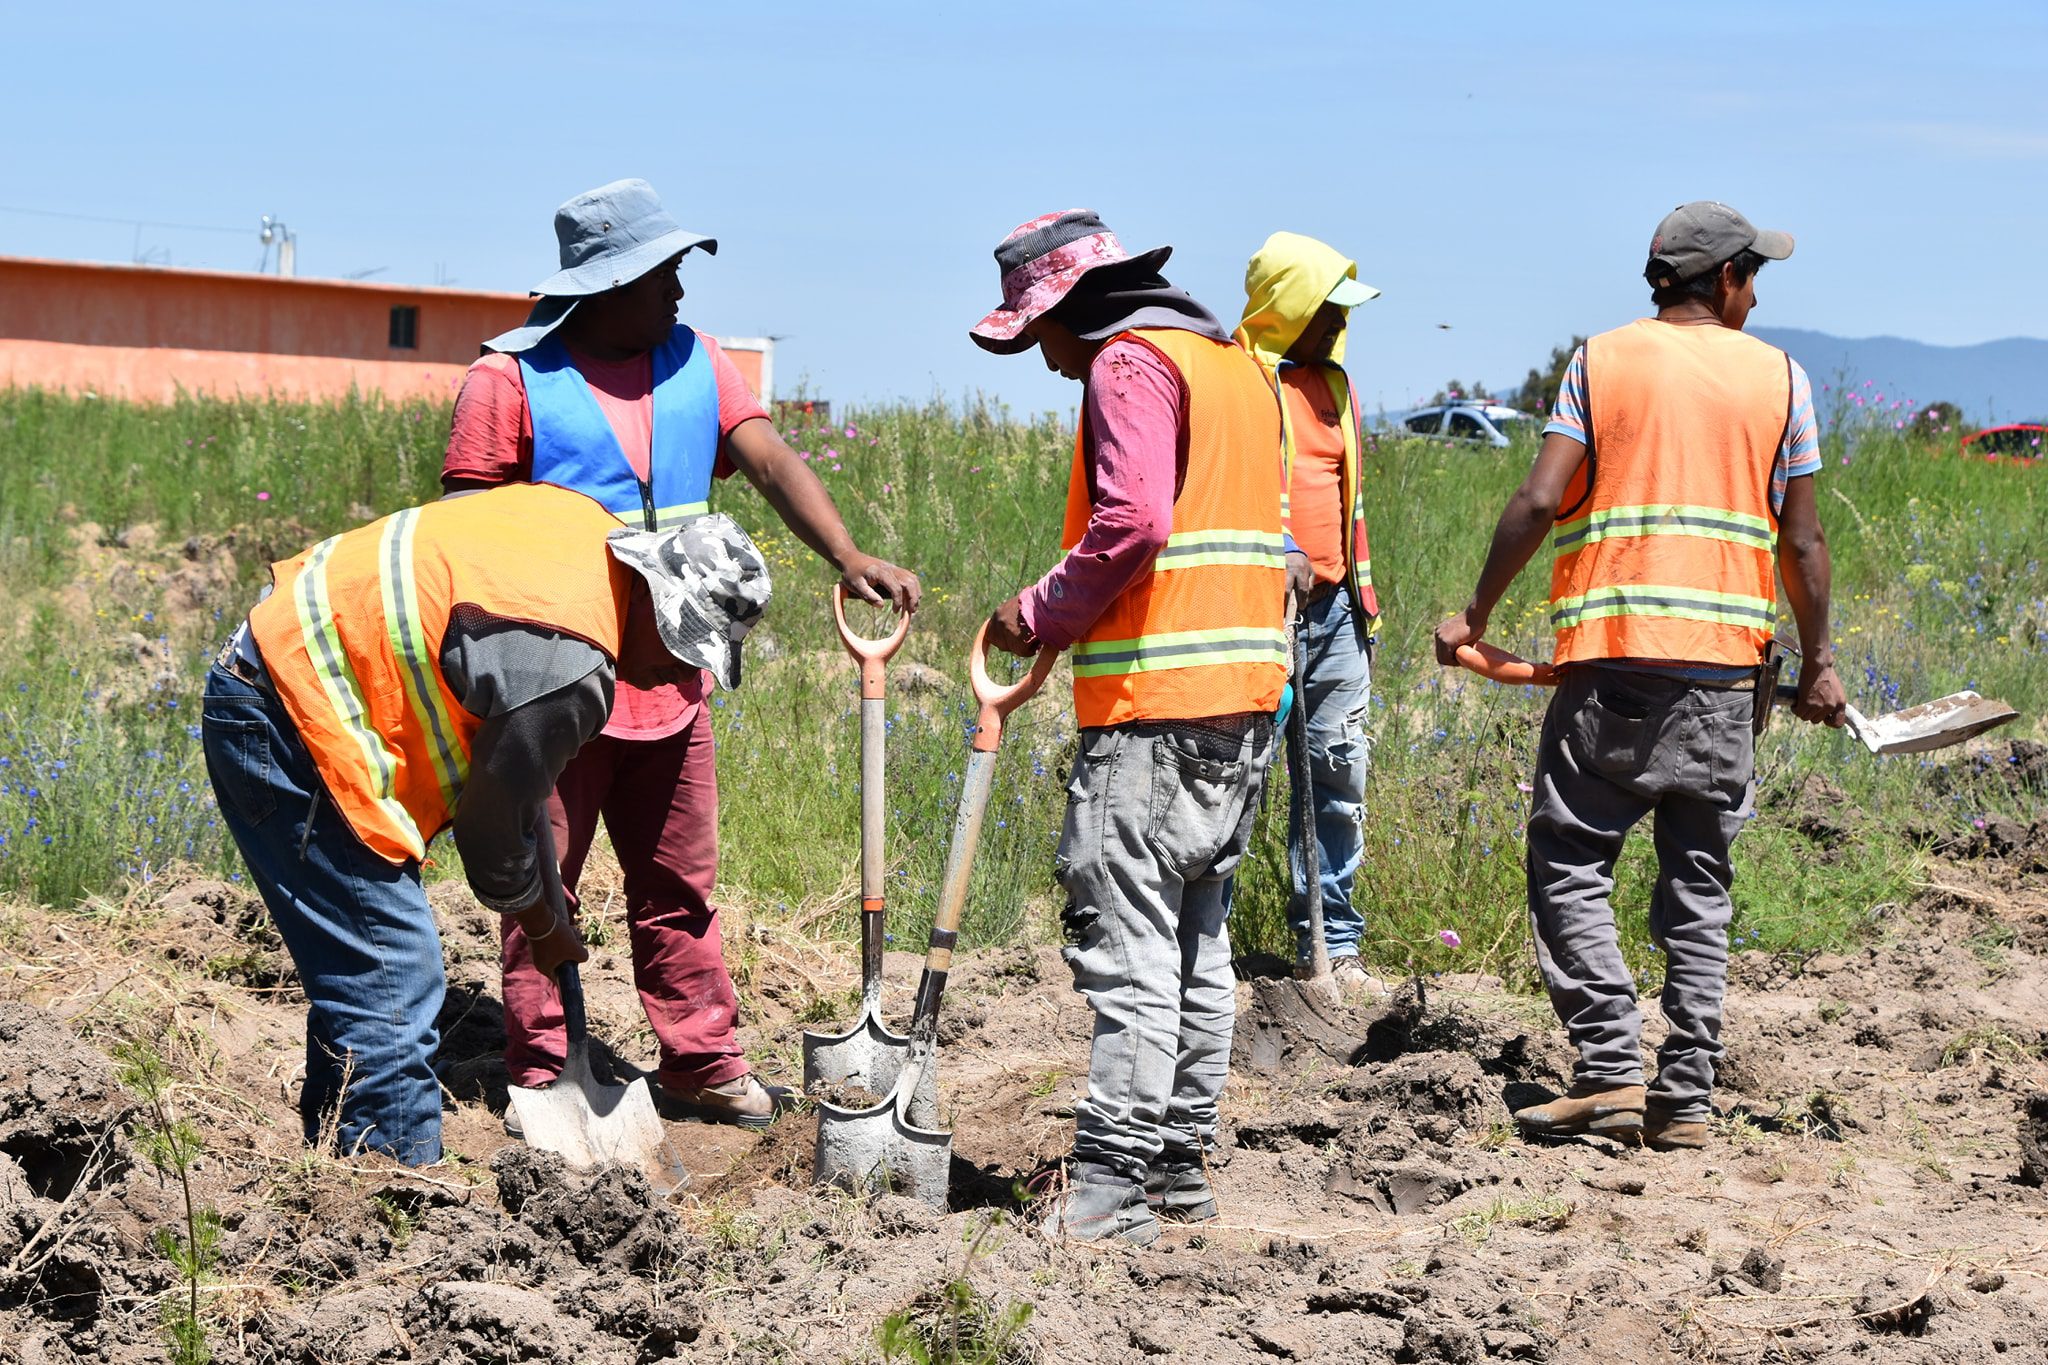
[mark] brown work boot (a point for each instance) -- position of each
(1593, 1107)
(1355, 981)
(742, 1100)
(1664, 1133)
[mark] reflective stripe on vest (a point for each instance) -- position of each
(574, 445)
(352, 639)
(1708, 523)
(1666, 535)
(415, 653)
(1650, 599)
(1193, 549)
(1180, 649)
(1199, 635)
(344, 693)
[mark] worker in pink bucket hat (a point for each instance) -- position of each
(1170, 599)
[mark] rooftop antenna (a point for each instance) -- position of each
(287, 242)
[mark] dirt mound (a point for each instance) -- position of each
(1864, 1195)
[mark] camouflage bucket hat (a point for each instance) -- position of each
(709, 584)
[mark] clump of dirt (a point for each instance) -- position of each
(62, 1113)
(2034, 1141)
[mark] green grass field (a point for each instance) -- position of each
(133, 538)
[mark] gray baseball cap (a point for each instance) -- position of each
(709, 584)
(1697, 237)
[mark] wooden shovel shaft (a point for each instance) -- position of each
(873, 862)
(938, 960)
(873, 657)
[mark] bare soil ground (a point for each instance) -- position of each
(1873, 1190)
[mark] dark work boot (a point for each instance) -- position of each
(1098, 1203)
(1177, 1187)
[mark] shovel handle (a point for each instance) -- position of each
(568, 981)
(998, 701)
(1490, 661)
(871, 655)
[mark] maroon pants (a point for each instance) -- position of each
(659, 800)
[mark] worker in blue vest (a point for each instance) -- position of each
(604, 390)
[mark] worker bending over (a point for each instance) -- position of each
(438, 668)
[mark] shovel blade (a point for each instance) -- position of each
(866, 1055)
(1935, 724)
(588, 1123)
(884, 1146)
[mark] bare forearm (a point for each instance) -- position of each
(1809, 578)
(1523, 524)
(800, 499)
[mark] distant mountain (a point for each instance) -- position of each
(1996, 381)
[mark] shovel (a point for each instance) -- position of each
(1937, 724)
(866, 1055)
(585, 1121)
(1320, 985)
(897, 1144)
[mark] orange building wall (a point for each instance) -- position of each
(147, 333)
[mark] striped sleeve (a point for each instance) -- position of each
(1799, 454)
(1568, 418)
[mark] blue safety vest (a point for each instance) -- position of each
(574, 445)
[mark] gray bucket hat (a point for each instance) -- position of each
(709, 584)
(609, 236)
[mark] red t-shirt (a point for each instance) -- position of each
(491, 441)
(1316, 493)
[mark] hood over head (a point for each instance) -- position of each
(1287, 280)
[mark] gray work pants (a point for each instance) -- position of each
(1158, 817)
(1617, 746)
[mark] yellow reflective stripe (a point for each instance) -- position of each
(1361, 573)
(345, 694)
(1181, 649)
(666, 517)
(1668, 519)
(409, 645)
(1649, 599)
(1195, 549)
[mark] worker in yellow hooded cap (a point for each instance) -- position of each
(1298, 298)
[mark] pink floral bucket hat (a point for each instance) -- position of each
(1041, 260)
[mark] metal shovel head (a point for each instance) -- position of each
(883, 1147)
(589, 1123)
(866, 1055)
(1935, 724)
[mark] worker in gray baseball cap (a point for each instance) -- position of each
(1675, 484)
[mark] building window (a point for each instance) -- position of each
(405, 328)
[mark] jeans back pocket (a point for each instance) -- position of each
(238, 759)
(1196, 800)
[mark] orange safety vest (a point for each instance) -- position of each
(351, 636)
(1666, 536)
(1201, 633)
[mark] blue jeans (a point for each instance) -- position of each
(358, 928)
(1337, 693)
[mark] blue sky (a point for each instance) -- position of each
(1497, 168)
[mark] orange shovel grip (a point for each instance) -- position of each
(998, 701)
(1489, 661)
(870, 654)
